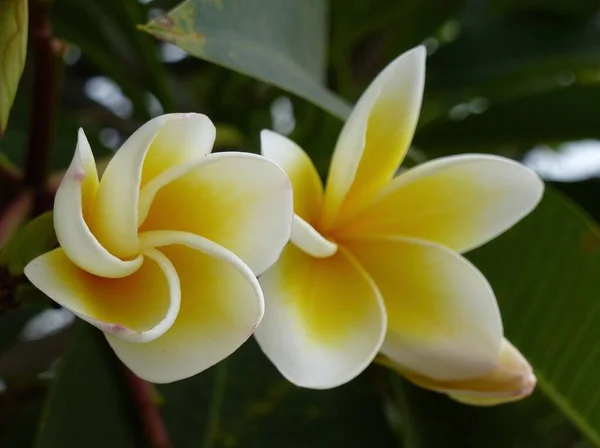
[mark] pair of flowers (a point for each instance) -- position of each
(163, 253)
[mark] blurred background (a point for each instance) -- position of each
(519, 78)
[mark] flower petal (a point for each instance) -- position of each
(221, 305)
(163, 142)
(325, 319)
(137, 308)
(241, 201)
(376, 136)
(308, 188)
(183, 138)
(443, 319)
(306, 237)
(73, 209)
(511, 380)
(459, 201)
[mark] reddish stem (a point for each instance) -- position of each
(154, 427)
(14, 215)
(45, 95)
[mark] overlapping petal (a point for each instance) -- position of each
(443, 319)
(73, 210)
(161, 143)
(221, 305)
(240, 201)
(138, 308)
(307, 238)
(376, 136)
(325, 319)
(511, 380)
(308, 188)
(459, 201)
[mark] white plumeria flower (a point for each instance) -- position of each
(374, 262)
(162, 253)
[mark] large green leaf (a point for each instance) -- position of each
(367, 34)
(281, 43)
(531, 423)
(554, 116)
(491, 56)
(545, 272)
(245, 402)
(13, 47)
(507, 51)
(88, 405)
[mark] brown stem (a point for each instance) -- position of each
(154, 427)
(14, 215)
(45, 95)
(9, 176)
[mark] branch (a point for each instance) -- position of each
(14, 215)
(154, 427)
(9, 176)
(45, 95)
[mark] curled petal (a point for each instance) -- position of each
(308, 189)
(183, 138)
(459, 201)
(443, 319)
(376, 136)
(307, 238)
(160, 144)
(511, 380)
(137, 308)
(241, 201)
(221, 305)
(73, 210)
(325, 319)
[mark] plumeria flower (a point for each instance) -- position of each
(162, 253)
(374, 262)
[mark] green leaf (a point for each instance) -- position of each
(366, 35)
(506, 60)
(88, 405)
(245, 402)
(13, 48)
(545, 272)
(30, 241)
(559, 115)
(280, 43)
(530, 423)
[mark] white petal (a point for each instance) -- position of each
(460, 201)
(137, 308)
(240, 201)
(145, 155)
(221, 305)
(325, 320)
(376, 136)
(305, 237)
(73, 203)
(308, 189)
(511, 380)
(443, 319)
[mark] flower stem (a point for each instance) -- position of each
(153, 425)
(45, 96)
